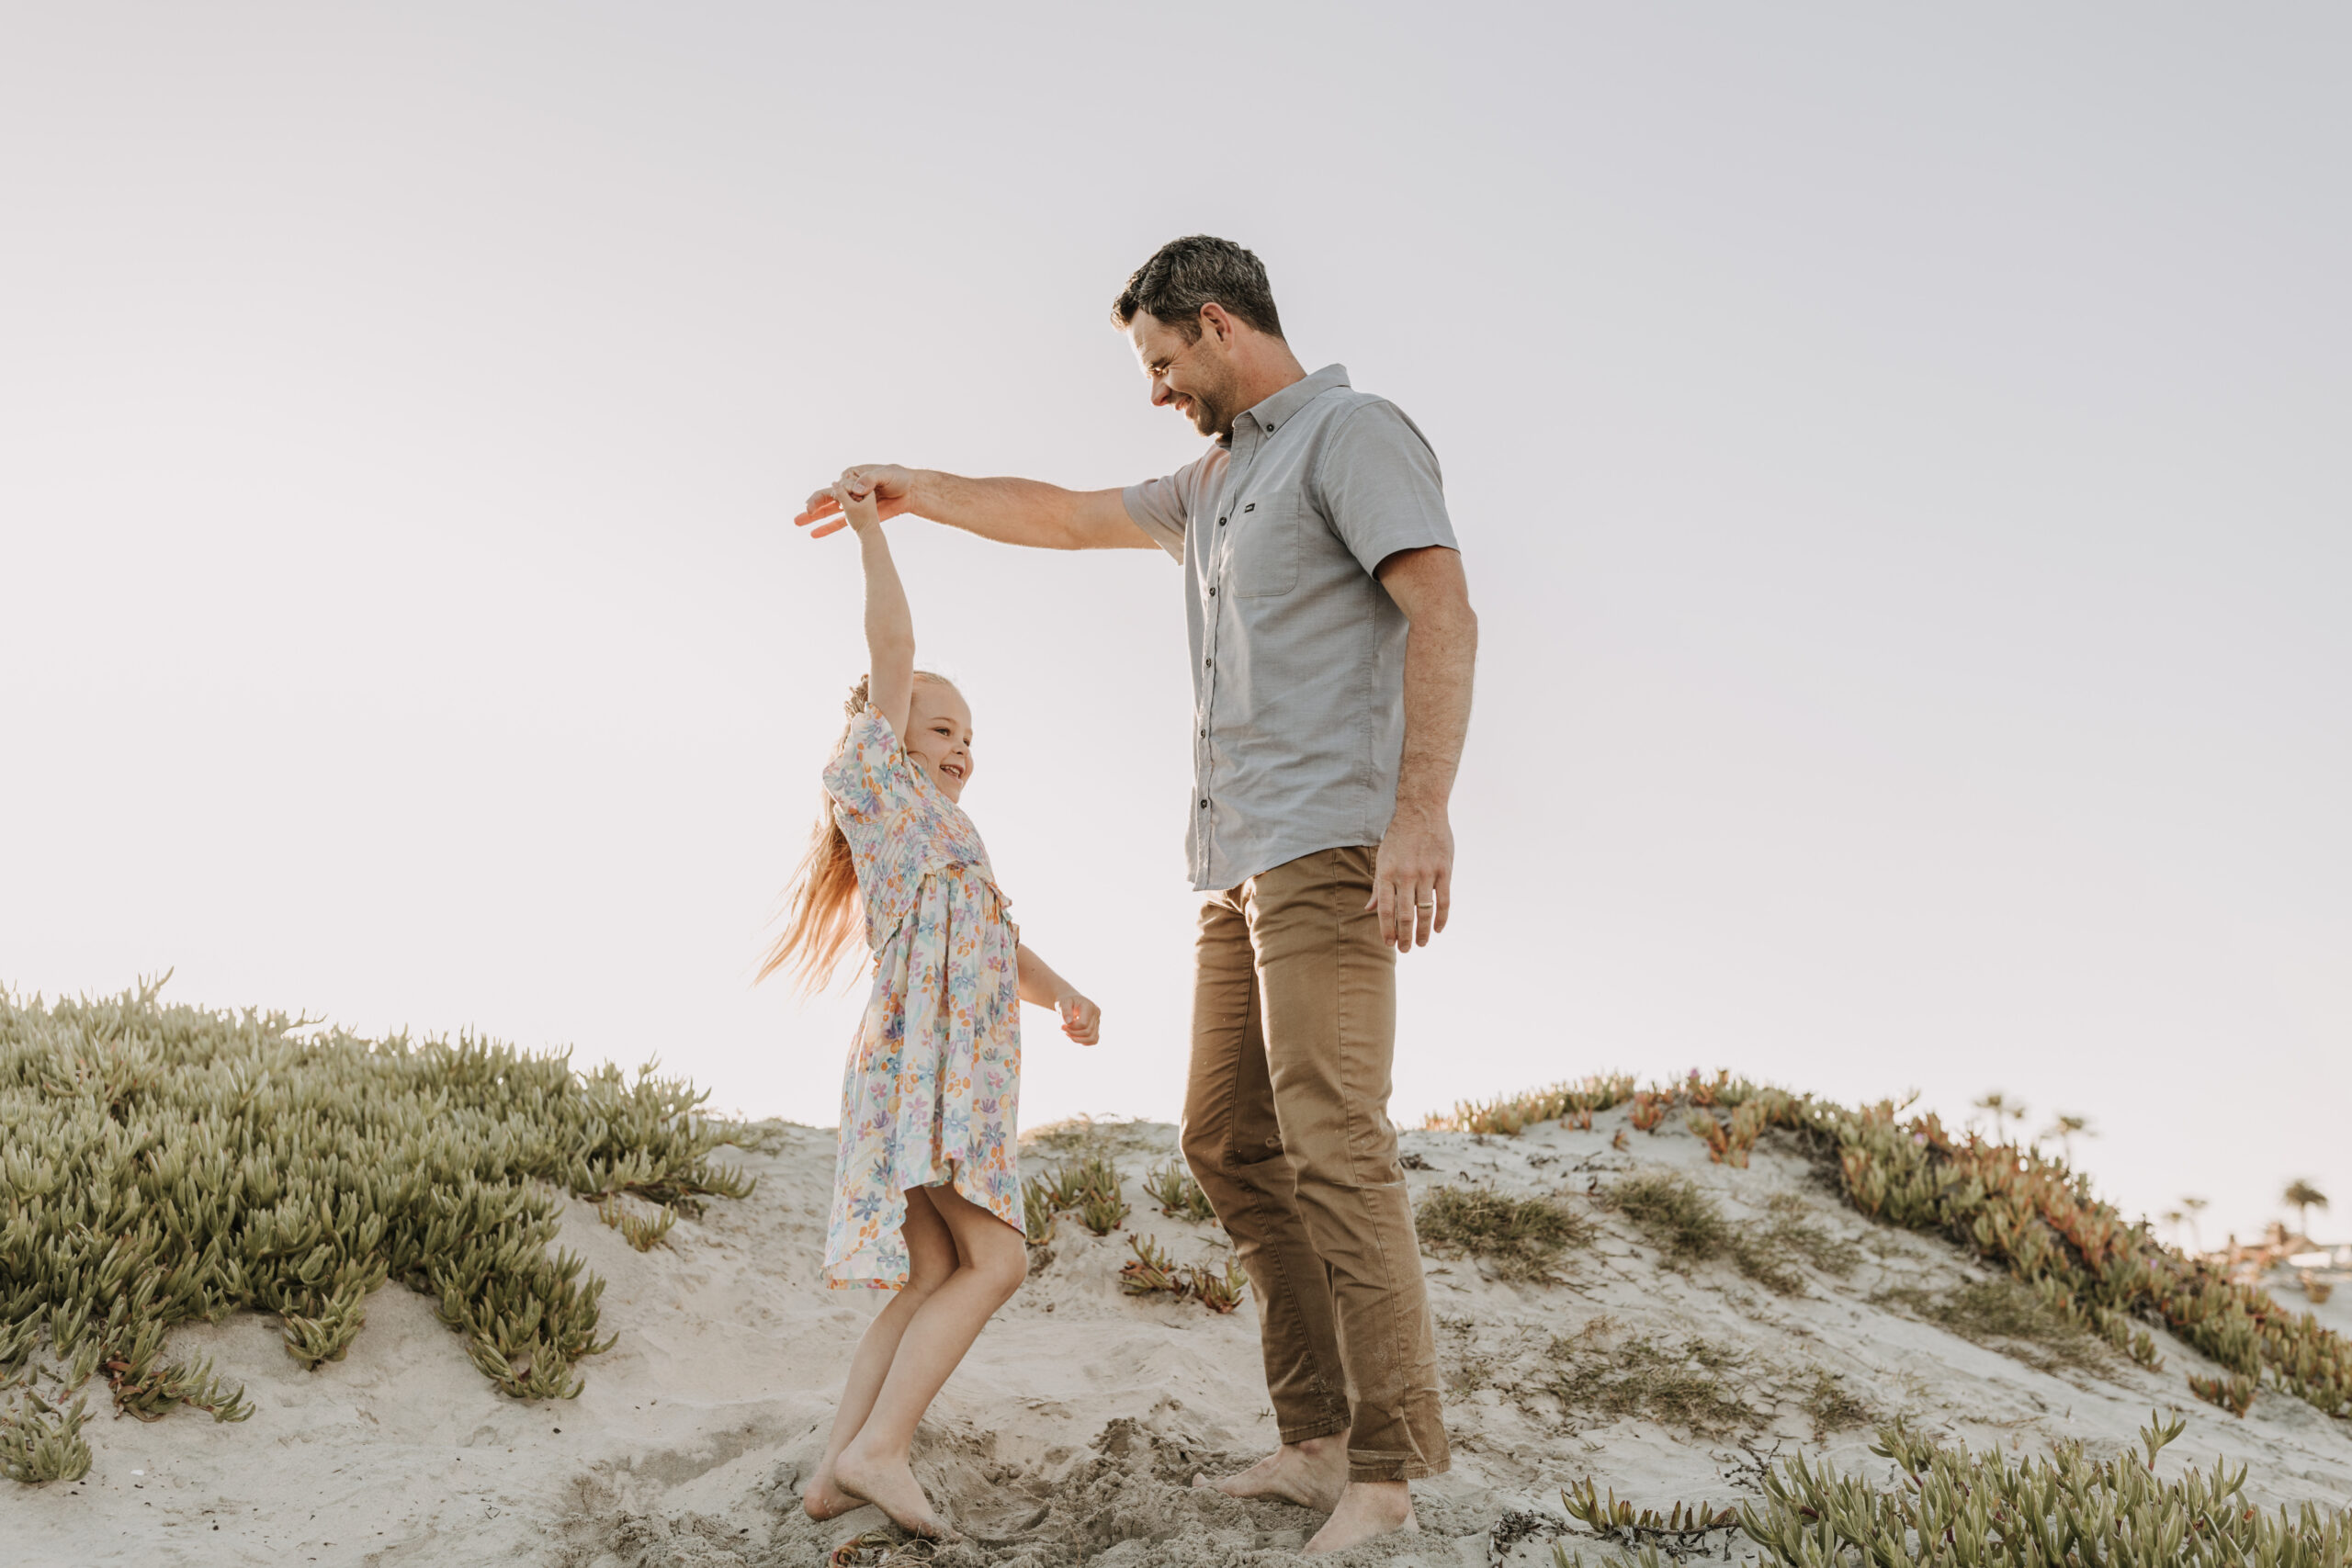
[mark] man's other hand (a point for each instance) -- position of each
(1412, 877)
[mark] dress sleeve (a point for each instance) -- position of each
(869, 778)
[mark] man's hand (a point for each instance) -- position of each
(1081, 1020)
(891, 486)
(1412, 877)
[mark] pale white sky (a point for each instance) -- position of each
(1900, 460)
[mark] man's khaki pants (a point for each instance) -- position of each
(1286, 1129)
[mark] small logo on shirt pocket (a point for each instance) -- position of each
(1264, 558)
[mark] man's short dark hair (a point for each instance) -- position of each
(1199, 269)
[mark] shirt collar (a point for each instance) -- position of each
(1276, 410)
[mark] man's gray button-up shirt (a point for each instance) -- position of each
(1298, 652)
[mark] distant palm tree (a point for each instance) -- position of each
(2066, 1129)
(2195, 1206)
(2305, 1198)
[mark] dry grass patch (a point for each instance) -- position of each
(1831, 1407)
(1675, 1216)
(1691, 1385)
(2002, 1315)
(1518, 1238)
(1691, 1228)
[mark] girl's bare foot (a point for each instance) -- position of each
(823, 1498)
(1367, 1510)
(891, 1487)
(1312, 1474)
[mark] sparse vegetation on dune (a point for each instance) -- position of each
(1152, 1272)
(169, 1164)
(1694, 1385)
(2012, 1205)
(1954, 1508)
(1520, 1239)
(1179, 1196)
(1575, 1102)
(1086, 1185)
(1689, 1227)
(2006, 1315)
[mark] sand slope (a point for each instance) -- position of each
(1069, 1434)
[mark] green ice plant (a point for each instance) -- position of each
(41, 1442)
(1511, 1114)
(1954, 1508)
(2013, 1205)
(1179, 1196)
(2039, 1220)
(167, 1165)
(1152, 1272)
(1087, 1186)
(643, 1232)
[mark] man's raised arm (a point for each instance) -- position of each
(1011, 512)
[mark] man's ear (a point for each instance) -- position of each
(1214, 320)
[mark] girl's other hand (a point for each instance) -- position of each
(859, 510)
(1081, 1020)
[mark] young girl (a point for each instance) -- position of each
(927, 1182)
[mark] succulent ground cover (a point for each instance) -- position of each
(1087, 1185)
(2013, 1205)
(166, 1164)
(1954, 1508)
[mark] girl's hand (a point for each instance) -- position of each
(859, 510)
(1081, 1020)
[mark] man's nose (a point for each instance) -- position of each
(1160, 392)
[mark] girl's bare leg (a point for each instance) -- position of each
(991, 1261)
(931, 1260)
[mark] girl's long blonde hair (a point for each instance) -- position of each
(822, 911)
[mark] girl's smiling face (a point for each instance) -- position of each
(939, 736)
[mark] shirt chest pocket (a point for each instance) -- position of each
(1262, 558)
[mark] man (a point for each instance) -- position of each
(1331, 641)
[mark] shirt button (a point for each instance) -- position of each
(1221, 521)
(1208, 663)
(1205, 805)
(1212, 593)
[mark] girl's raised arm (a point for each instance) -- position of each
(889, 622)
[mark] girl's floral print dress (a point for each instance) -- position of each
(934, 1078)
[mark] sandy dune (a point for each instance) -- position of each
(1070, 1435)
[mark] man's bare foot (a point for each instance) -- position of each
(1312, 1474)
(1367, 1510)
(891, 1487)
(823, 1498)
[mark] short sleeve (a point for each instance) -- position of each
(870, 778)
(1162, 508)
(1379, 485)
